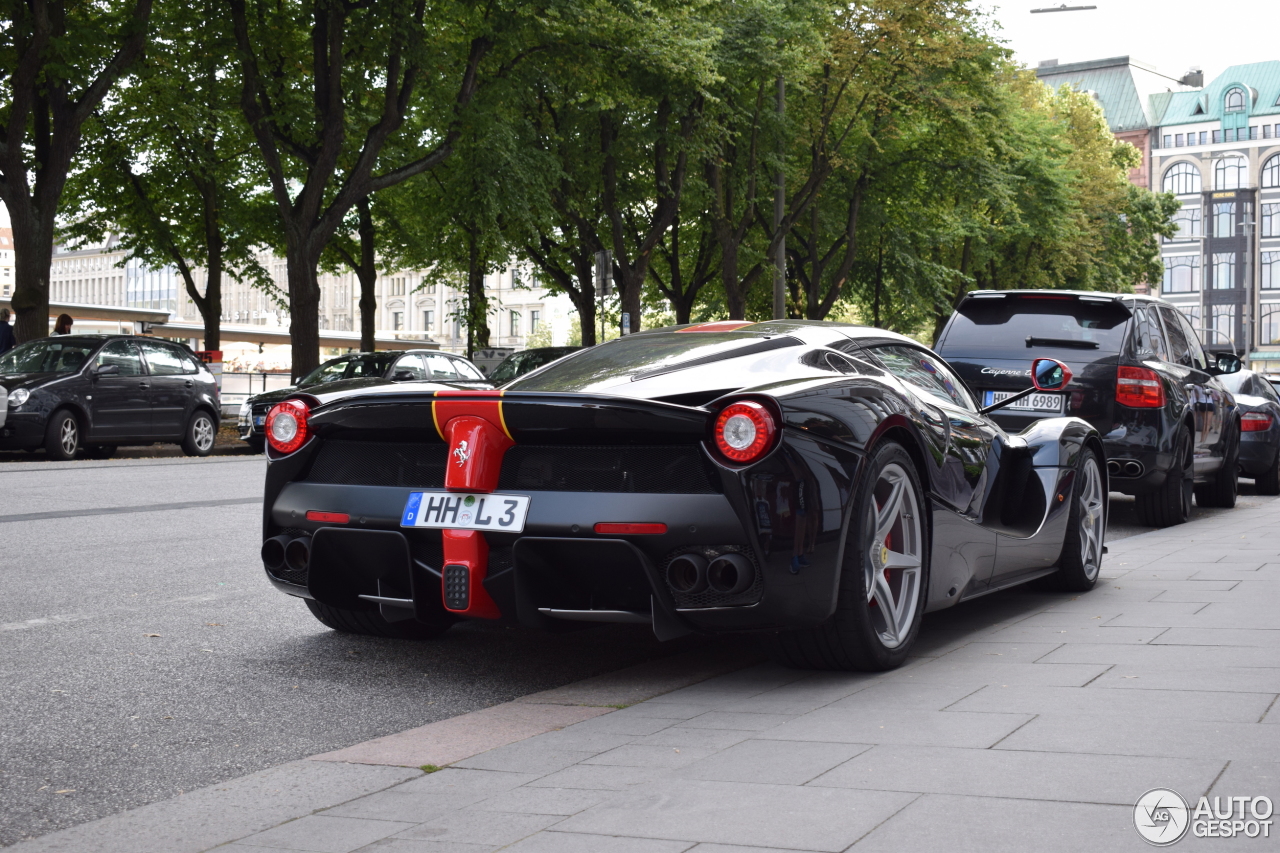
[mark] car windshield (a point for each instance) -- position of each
(518, 364)
(49, 355)
(1023, 322)
(349, 367)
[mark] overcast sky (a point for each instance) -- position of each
(1173, 35)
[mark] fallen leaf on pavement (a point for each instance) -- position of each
(151, 635)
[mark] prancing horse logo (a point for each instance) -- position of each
(461, 454)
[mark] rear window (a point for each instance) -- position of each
(1020, 323)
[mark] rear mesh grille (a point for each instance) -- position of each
(368, 463)
(651, 470)
(677, 469)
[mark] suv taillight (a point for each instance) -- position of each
(1255, 422)
(1139, 387)
(286, 425)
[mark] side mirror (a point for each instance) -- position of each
(1228, 363)
(107, 370)
(1049, 374)
(403, 376)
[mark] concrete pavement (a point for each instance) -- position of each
(1027, 721)
(144, 655)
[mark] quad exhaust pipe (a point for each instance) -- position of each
(293, 552)
(1124, 468)
(728, 573)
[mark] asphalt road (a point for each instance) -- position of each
(142, 654)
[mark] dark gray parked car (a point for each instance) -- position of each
(1259, 428)
(368, 368)
(88, 394)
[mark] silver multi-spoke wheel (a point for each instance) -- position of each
(202, 432)
(894, 557)
(69, 436)
(1092, 517)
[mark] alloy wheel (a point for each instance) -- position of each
(1092, 518)
(69, 437)
(203, 433)
(894, 557)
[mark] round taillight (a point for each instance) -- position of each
(287, 425)
(744, 431)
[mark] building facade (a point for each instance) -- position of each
(1130, 94)
(412, 304)
(1218, 150)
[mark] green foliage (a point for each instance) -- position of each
(165, 165)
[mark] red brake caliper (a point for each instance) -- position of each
(478, 439)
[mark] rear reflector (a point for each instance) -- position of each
(626, 529)
(1139, 388)
(1255, 422)
(330, 517)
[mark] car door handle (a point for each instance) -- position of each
(190, 383)
(143, 385)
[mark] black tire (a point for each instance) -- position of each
(100, 451)
(852, 638)
(1268, 482)
(62, 436)
(1081, 560)
(1171, 503)
(371, 624)
(1221, 491)
(201, 433)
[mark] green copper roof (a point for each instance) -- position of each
(1262, 79)
(1111, 84)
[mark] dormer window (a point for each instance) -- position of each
(1235, 101)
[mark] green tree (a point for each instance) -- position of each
(165, 164)
(58, 60)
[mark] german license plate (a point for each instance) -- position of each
(259, 420)
(453, 511)
(1038, 402)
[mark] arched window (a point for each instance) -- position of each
(1181, 179)
(1269, 331)
(1229, 173)
(1235, 101)
(1271, 173)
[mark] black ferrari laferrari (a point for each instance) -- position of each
(820, 483)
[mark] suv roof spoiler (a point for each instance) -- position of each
(1049, 294)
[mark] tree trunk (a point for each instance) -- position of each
(304, 308)
(211, 306)
(367, 273)
(477, 301)
(32, 258)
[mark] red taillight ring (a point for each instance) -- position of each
(745, 431)
(286, 425)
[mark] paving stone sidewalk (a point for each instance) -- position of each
(1029, 721)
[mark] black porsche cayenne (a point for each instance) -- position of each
(1141, 377)
(88, 394)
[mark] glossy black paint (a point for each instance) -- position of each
(995, 509)
(1195, 398)
(111, 409)
(1254, 394)
(387, 367)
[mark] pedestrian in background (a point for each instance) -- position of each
(63, 326)
(7, 339)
